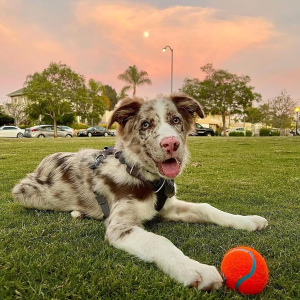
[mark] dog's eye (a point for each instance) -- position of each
(145, 125)
(176, 120)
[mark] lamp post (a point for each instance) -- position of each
(297, 118)
(164, 49)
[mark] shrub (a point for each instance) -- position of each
(25, 126)
(79, 126)
(236, 133)
(264, 131)
(248, 133)
(275, 133)
(268, 132)
(6, 120)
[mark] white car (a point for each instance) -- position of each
(237, 129)
(11, 131)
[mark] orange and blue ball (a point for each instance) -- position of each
(244, 270)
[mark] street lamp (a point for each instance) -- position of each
(297, 118)
(164, 49)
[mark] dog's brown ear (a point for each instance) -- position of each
(125, 110)
(187, 106)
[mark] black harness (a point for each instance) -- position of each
(163, 188)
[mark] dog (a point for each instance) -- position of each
(133, 182)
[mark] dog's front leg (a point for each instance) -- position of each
(123, 234)
(177, 210)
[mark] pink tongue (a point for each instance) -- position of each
(170, 167)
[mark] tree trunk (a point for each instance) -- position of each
(134, 90)
(55, 126)
(224, 122)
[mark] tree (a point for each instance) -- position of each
(92, 102)
(4, 118)
(112, 95)
(253, 115)
(123, 91)
(53, 92)
(221, 92)
(282, 110)
(66, 119)
(17, 111)
(134, 78)
(266, 117)
(98, 101)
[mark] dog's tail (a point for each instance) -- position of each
(29, 193)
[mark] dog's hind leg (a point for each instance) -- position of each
(77, 214)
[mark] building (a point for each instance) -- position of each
(17, 97)
(16, 106)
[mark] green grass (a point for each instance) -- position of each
(49, 255)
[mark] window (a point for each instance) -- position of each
(9, 128)
(46, 128)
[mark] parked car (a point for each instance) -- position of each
(200, 130)
(11, 131)
(67, 128)
(43, 131)
(95, 131)
(237, 129)
(293, 133)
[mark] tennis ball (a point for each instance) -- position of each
(244, 270)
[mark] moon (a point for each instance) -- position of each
(146, 34)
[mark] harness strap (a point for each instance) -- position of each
(163, 188)
(103, 203)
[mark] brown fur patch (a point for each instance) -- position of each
(83, 203)
(40, 181)
(61, 159)
(187, 107)
(124, 233)
(126, 110)
(49, 180)
(58, 195)
(140, 192)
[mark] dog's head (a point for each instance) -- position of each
(153, 133)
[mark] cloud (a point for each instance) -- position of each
(100, 39)
(196, 35)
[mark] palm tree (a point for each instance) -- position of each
(97, 101)
(134, 77)
(123, 92)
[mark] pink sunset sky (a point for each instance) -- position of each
(100, 39)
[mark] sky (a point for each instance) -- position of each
(100, 39)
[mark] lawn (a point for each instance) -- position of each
(49, 255)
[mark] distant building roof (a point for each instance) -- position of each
(16, 93)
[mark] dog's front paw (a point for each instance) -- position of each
(251, 223)
(201, 276)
